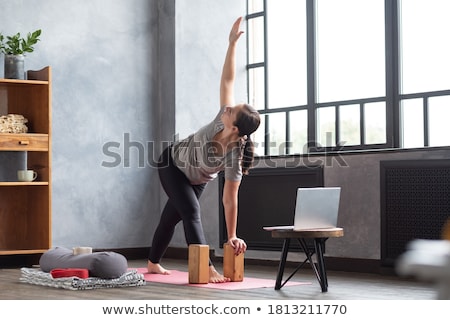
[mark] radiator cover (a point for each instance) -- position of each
(415, 203)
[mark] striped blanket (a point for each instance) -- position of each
(131, 278)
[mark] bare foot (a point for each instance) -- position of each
(156, 268)
(216, 277)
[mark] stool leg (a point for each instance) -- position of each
(198, 264)
(282, 263)
(319, 244)
(233, 265)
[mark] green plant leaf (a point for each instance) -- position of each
(17, 45)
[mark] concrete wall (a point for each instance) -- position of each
(105, 57)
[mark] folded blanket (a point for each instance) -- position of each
(36, 276)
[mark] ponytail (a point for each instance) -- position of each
(247, 156)
(247, 121)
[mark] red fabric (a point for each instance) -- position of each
(70, 272)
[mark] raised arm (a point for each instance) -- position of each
(229, 66)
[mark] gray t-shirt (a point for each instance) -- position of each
(196, 158)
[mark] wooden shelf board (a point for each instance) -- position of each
(5, 252)
(18, 183)
(16, 81)
(29, 134)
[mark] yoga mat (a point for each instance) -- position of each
(182, 278)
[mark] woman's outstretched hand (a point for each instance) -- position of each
(235, 33)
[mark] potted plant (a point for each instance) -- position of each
(14, 48)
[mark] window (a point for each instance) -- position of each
(350, 49)
(348, 74)
(424, 70)
(286, 53)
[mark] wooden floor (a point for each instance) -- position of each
(342, 286)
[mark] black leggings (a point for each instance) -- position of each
(182, 204)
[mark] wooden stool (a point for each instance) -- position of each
(319, 236)
(233, 265)
(198, 265)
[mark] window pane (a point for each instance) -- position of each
(256, 40)
(286, 60)
(350, 49)
(258, 137)
(412, 123)
(349, 125)
(277, 133)
(256, 88)
(326, 125)
(425, 48)
(438, 111)
(375, 122)
(255, 6)
(298, 131)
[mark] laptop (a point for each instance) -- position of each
(315, 208)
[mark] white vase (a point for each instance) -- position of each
(14, 66)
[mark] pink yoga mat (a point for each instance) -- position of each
(182, 278)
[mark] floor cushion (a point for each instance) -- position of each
(105, 264)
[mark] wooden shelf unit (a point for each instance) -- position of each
(25, 207)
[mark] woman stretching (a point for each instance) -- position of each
(188, 165)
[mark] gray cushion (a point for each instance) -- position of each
(107, 265)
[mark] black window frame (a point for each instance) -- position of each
(392, 99)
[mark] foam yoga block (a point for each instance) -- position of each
(233, 265)
(106, 265)
(70, 272)
(198, 265)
